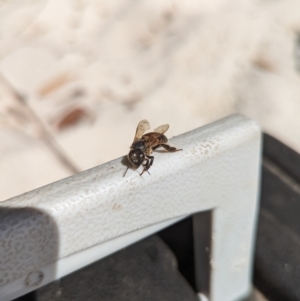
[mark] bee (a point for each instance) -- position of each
(144, 144)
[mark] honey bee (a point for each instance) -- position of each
(144, 144)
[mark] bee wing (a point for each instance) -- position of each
(142, 127)
(162, 129)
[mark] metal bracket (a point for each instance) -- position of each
(52, 231)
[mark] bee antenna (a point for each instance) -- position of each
(125, 172)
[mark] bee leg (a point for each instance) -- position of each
(169, 148)
(149, 161)
(145, 165)
(146, 162)
(145, 169)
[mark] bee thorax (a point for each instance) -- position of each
(139, 145)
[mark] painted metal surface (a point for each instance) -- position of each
(46, 233)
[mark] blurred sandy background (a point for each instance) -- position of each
(76, 76)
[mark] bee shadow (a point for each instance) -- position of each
(160, 151)
(126, 162)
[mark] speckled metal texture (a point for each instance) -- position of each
(218, 169)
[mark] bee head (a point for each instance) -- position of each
(136, 157)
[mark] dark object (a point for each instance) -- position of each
(277, 257)
(179, 238)
(145, 271)
(281, 155)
